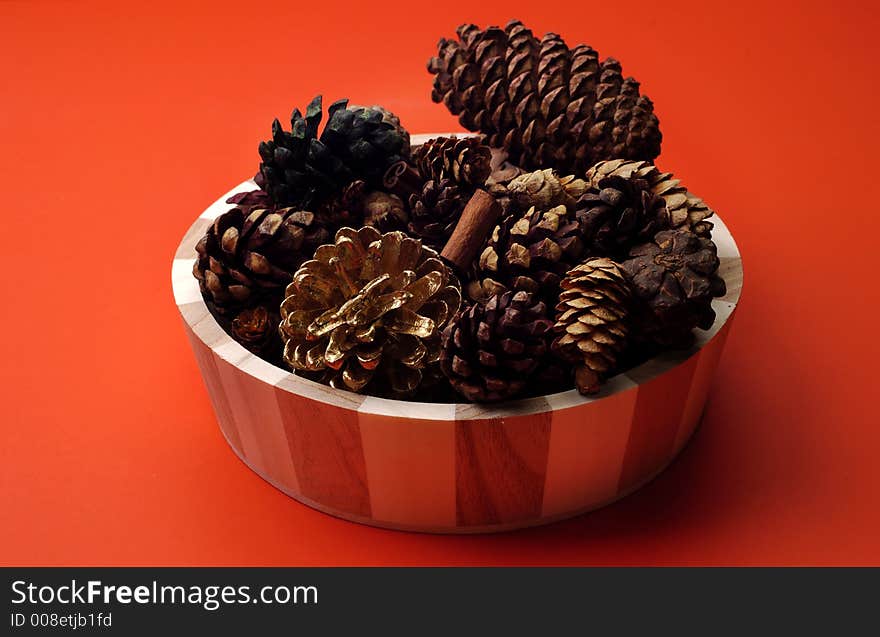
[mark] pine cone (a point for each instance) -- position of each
(300, 169)
(674, 278)
(491, 350)
(435, 212)
(546, 104)
(501, 168)
(530, 253)
(252, 199)
(246, 258)
(344, 207)
(591, 320)
(544, 189)
(618, 214)
(683, 209)
(390, 118)
(384, 211)
(368, 311)
(257, 330)
(465, 161)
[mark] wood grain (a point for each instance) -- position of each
(410, 465)
(587, 447)
(500, 466)
(259, 421)
(325, 446)
(658, 411)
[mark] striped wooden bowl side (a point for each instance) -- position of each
(451, 468)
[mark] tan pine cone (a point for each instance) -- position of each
(367, 312)
(684, 209)
(545, 189)
(591, 320)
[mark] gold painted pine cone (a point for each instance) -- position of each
(591, 320)
(367, 312)
(684, 210)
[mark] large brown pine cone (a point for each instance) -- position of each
(435, 211)
(491, 350)
(249, 257)
(531, 253)
(466, 161)
(619, 213)
(546, 104)
(591, 320)
(683, 209)
(367, 312)
(674, 278)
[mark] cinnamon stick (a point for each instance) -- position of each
(402, 179)
(477, 220)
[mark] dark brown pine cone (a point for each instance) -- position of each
(530, 253)
(591, 320)
(247, 258)
(683, 210)
(435, 211)
(301, 168)
(384, 211)
(674, 278)
(491, 350)
(619, 213)
(344, 207)
(393, 120)
(466, 161)
(545, 104)
(256, 329)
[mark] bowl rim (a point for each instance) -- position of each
(201, 322)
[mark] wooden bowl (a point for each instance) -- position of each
(447, 468)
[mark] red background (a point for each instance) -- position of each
(120, 125)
